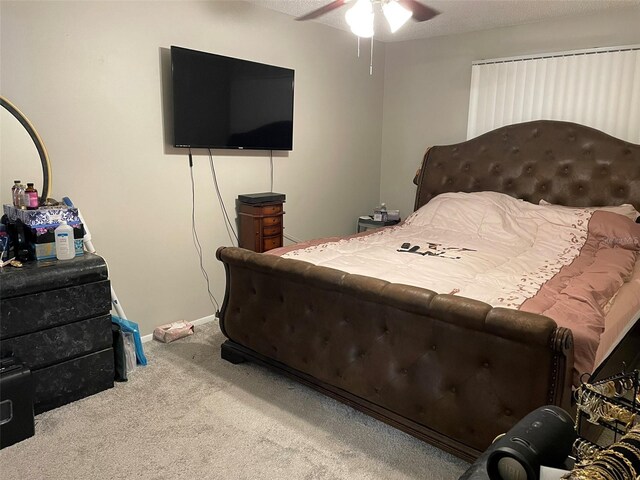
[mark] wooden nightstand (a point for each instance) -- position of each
(260, 225)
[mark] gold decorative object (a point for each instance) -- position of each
(613, 403)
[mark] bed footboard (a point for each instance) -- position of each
(452, 371)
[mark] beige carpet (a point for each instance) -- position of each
(191, 415)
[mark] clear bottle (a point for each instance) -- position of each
(31, 197)
(377, 214)
(14, 193)
(20, 197)
(65, 245)
(383, 212)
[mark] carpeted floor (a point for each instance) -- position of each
(191, 415)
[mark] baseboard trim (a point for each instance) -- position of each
(200, 321)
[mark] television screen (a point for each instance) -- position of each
(223, 102)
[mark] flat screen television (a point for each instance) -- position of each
(223, 102)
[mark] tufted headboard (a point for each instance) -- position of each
(560, 162)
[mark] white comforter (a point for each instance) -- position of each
(487, 246)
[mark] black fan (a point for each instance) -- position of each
(419, 11)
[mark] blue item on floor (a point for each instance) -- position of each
(132, 327)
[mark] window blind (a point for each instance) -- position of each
(599, 88)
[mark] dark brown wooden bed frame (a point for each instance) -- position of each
(452, 371)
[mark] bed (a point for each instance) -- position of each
(451, 370)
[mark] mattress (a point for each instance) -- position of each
(621, 316)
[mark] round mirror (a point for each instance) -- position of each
(23, 155)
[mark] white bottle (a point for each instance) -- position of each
(65, 248)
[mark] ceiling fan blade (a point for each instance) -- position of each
(421, 12)
(322, 10)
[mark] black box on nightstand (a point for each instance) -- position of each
(264, 197)
(16, 402)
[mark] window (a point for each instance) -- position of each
(599, 88)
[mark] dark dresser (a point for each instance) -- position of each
(55, 317)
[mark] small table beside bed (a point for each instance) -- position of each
(518, 287)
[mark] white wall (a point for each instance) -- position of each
(426, 86)
(90, 77)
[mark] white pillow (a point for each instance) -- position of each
(625, 209)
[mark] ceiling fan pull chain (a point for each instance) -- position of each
(371, 60)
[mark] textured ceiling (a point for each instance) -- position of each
(456, 16)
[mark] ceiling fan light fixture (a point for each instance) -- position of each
(395, 14)
(360, 18)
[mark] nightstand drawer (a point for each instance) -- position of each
(271, 230)
(260, 209)
(271, 209)
(268, 221)
(271, 243)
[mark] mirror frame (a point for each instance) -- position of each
(42, 151)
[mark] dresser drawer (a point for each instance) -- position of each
(72, 380)
(24, 314)
(46, 347)
(272, 230)
(271, 243)
(46, 275)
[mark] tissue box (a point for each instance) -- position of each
(172, 331)
(42, 244)
(393, 215)
(43, 216)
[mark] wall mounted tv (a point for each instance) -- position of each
(223, 102)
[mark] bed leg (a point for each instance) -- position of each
(230, 354)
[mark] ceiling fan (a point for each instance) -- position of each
(360, 16)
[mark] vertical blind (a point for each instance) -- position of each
(599, 88)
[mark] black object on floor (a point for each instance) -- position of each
(543, 437)
(119, 354)
(16, 402)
